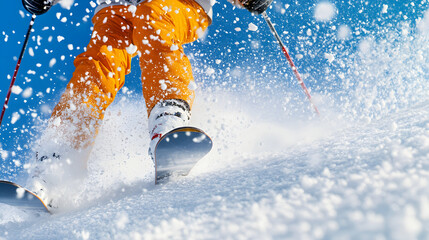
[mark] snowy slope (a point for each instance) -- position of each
(360, 181)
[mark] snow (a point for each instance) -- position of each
(15, 117)
(324, 11)
(385, 7)
(349, 180)
(16, 89)
(60, 38)
(52, 62)
(344, 32)
(174, 47)
(66, 3)
(27, 92)
(131, 49)
(253, 27)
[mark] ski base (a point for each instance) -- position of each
(178, 151)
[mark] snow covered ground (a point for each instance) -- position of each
(351, 181)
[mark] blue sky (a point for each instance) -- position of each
(229, 48)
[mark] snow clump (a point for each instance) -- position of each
(325, 11)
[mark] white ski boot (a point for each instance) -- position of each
(164, 117)
(53, 175)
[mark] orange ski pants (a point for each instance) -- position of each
(155, 30)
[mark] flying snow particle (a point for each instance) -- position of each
(16, 90)
(131, 49)
(4, 154)
(237, 29)
(73, 107)
(64, 19)
(255, 44)
(60, 38)
(93, 4)
(31, 51)
(163, 85)
(192, 86)
(6, 37)
(201, 34)
(174, 47)
(423, 24)
(125, 90)
(57, 121)
(199, 139)
(344, 32)
(330, 57)
(45, 109)
(70, 47)
(15, 117)
(385, 7)
(20, 192)
(132, 9)
(21, 13)
(325, 11)
(39, 40)
(66, 4)
(365, 46)
(210, 71)
(85, 235)
(27, 92)
(253, 27)
(52, 62)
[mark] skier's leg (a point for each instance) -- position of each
(159, 35)
(99, 74)
(162, 26)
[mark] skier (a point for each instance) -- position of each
(153, 29)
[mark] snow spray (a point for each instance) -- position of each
(15, 73)
(294, 68)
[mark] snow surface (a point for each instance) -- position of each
(350, 181)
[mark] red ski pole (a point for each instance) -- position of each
(294, 69)
(16, 69)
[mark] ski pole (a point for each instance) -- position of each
(294, 68)
(15, 73)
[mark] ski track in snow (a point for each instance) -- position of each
(359, 182)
